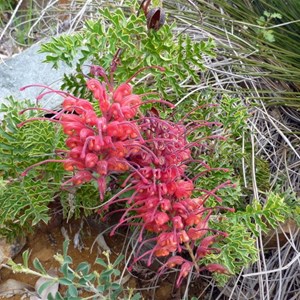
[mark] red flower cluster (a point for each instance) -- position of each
(155, 154)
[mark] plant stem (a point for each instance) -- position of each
(192, 256)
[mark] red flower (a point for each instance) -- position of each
(216, 268)
(184, 271)
(174, 261)
(183, 189)
(91, 160)
(154, 155)
(161, 218)
(122, 91)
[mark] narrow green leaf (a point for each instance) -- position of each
(25, 256)
(38, 266)
(118, 260)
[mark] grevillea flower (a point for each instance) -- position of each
(154, 153)
(185, 269)
(216, 268)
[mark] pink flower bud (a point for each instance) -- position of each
(102, 167)
(131, 101)
(174, 261)
(183, 237)
(217, 268)
(91, 160)
(184, 271)
(82, 177)
(123, 90)
(116, 112)
(184, 189)
(101, 186)
(84, 104)
(164, 251)
(84, 133)
(99, 93)
(128, 113)
(203, 249)
(165, 204)
(151, 202)
(113, 129)
(73, 141)
(75, 152)
(69, 103)
(70, 164)
(72, 118)
(161, 218)
(95, 144)
(90, 117)
(72, 128)
(192, 219)
(195, 234)
(94, 85)
(177, 222)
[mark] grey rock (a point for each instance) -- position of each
(28, 68)
(9, 249)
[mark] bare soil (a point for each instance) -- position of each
(47, 241)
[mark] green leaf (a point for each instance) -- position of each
(45, 285)
(107, 273)
(137, 296)
(89, 277)
(269, 36)
(65, 281)
(65, 251)
(58, 296)
(66, 270)
(72, 291)
(118, 260)
(25, 257)
(101, 262)
(38, 266)
(83, 268)
(115, 286)
(101, 288)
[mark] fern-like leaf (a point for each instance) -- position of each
(263, 217)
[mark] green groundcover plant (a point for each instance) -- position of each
(104, 285)
(123, 144)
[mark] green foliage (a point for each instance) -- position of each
(22, 147)
(264, 21)
(104, 284)
(292, 202)
(233, 116)
(99, 41)
(6, 5)
(237, 250)
(23, 203)
(83, 200)
(262, 217)
(293, 205)
(24, 200)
